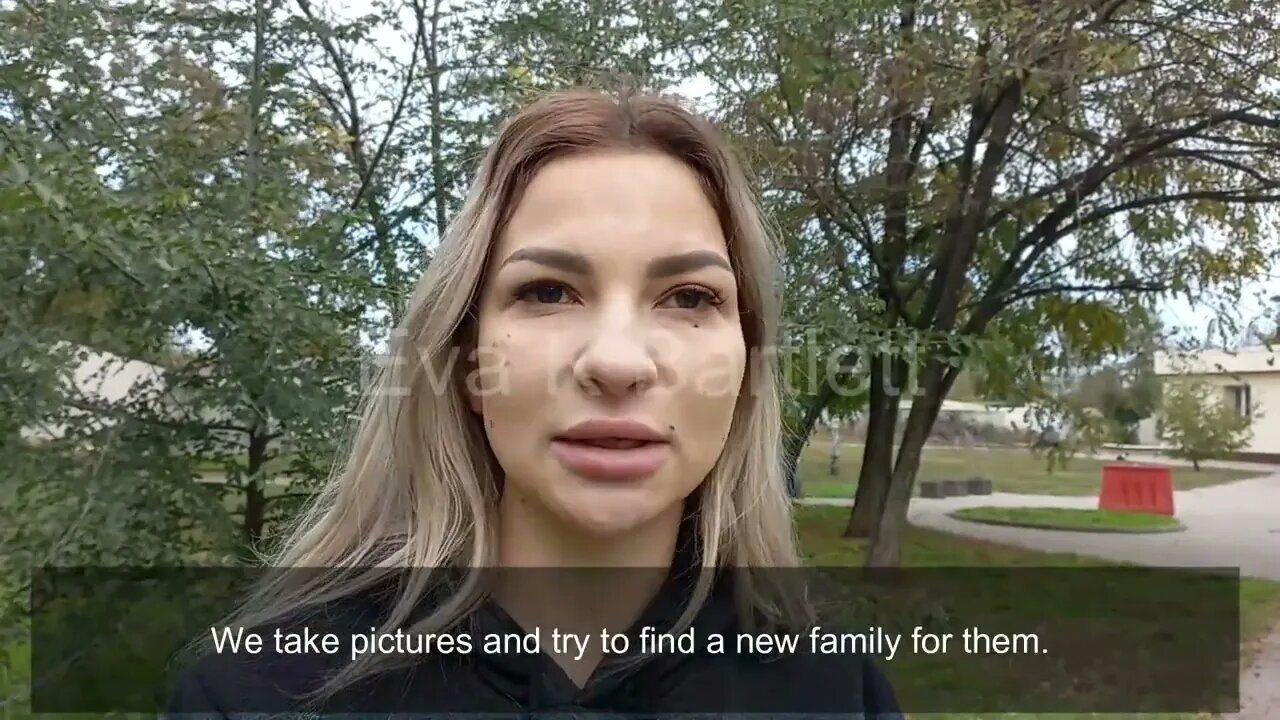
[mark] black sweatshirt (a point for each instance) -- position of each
(704, 684)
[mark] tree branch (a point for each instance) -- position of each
(1122, 286)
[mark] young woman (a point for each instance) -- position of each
(582, 396)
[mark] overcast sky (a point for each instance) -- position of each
(1192, 317)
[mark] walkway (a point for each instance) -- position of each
(1232, 525)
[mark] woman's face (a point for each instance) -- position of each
(610, 353)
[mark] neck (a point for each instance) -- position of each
(557, 576)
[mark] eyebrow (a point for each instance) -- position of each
(578, 264)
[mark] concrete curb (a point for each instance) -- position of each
(1032, 526)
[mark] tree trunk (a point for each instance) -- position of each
(794, 443)
(835, 450)
(791, 449)
(441, 199)
(255, 505)
(255, 498)
(886, 540)
(877, 454)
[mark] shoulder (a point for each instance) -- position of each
(857, 682)
(227, 683)
(811, 683)
(270, 676)
(878, 697)
(221, 685)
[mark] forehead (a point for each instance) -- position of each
(620, 204)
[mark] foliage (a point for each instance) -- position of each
(241, 194)
(1198, 425)
(1125, 388)
(237, 195)
(212, 212)
(1032, 173)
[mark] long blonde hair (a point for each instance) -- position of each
(420, 487)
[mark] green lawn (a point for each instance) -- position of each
(1012, 470)
(820, 528)
(1068, 518)
(277, 464)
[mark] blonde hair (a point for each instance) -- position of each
(420, 487)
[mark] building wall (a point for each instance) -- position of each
(104, 378)
(1256, 367)
(110, 378)
(1149, 431)
(1264, 392)
(1257, 359)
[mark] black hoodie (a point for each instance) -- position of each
(704, 684)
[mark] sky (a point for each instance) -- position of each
(1254, 308)
(1190, 317)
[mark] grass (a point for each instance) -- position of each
(1011, 470)
(277, 464)
(1068, 518)
(820, 531)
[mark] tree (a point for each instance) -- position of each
(1021, 174)
(1124, 387)
(1124, 395)
(996, 187)
(965, 387)
(1199, 425)
(236, 193)
(1264, 330)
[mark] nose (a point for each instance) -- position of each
(616, 360)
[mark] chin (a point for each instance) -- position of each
(607, 512)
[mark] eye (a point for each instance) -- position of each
(546, 292)
(694, 298)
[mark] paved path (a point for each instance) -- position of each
(1231, 525)
(1105, 454)
(1260, 683)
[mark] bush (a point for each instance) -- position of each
(1199, 426)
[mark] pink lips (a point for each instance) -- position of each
(611, 449)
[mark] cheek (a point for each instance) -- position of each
(510, 373)
(710, 381)
(710, 369)
(490, 370)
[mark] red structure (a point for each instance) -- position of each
(1137, 487)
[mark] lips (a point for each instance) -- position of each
(612, 443)
(609, 449)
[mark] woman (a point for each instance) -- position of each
(582, 380)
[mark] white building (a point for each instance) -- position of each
(101, 377)
(1249, 379)
(1002, 416)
